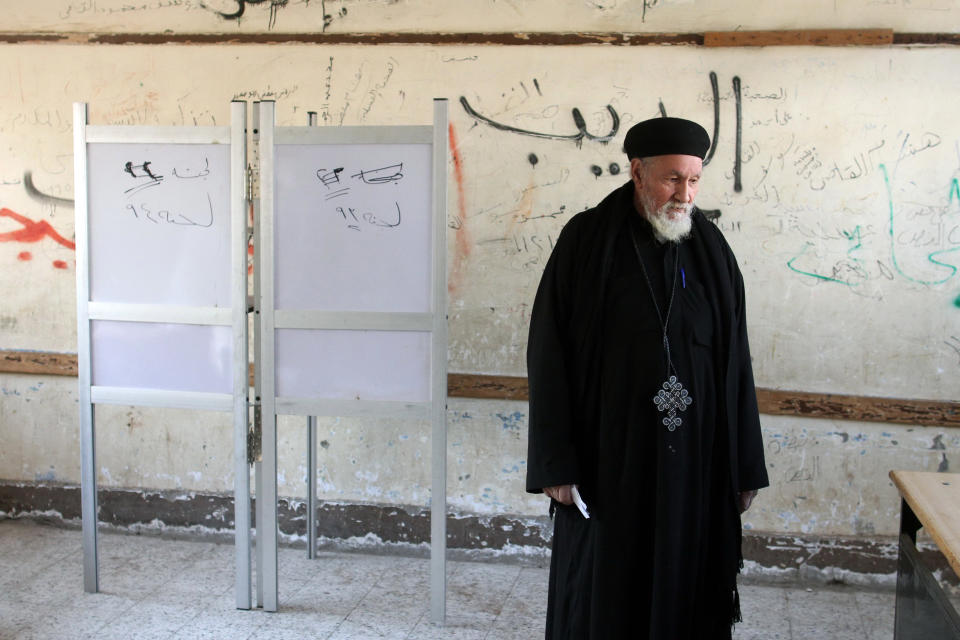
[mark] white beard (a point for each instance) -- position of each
(671, 222)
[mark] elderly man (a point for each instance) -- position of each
(644, 429)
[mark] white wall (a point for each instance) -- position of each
(453, 16)
(836, 144)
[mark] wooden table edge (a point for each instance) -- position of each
(923, 512)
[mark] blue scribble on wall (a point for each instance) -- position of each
(511, 421)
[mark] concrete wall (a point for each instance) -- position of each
(842, 206)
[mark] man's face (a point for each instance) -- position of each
(665, 187)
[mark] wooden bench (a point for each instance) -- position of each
(931, 501)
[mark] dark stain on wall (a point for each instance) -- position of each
(400, 527)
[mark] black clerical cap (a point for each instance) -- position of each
(666, 136)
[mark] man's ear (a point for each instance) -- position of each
(636, 171)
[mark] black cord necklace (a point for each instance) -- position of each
(672, 397)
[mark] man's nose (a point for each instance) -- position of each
(684, 193)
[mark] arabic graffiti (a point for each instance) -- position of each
(738, 154)
(32, 231)
(353, 217)
(849, 271)
(36, 194)
(614, 168)
(144, 175)
(954, 342)
(950, 236)
(933, 226)
(738, 150)
(578, 122)
(274, 6)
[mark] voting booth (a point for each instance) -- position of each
(349, 300)
(352, 291)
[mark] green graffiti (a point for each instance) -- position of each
(956, 302)
(853, 237)
(932, 257)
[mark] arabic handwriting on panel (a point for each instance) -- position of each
(149, 208)
(347, 187)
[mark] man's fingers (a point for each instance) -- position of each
(562, 494)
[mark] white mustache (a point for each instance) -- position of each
(676, 208)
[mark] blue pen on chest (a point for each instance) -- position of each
(683, 277)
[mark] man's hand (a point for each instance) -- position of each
(561, 493)
(746, 498)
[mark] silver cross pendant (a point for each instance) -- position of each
(672, 398)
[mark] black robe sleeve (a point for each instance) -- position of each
(752, 470)
(551, 452)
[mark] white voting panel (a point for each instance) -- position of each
(352, 292)
(161, 288)
(160, 222)
(354, 365)
(160, 216)
(353, 227)
(142, 355)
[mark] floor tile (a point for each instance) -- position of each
(176, 589)
(814, 611)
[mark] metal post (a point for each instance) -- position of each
(88, 441)
(241, 384)
(257, 413)
(311, 487)
(438, 497)
(268, 530)
(311, 452)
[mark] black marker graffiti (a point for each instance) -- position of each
(716, 117)
(144, 211)
(613, 169)
(578, 121)
(275, 5)
(131, 168)
(353, 216)
(737, 185)
(36, 194)
(953, 343)
(186, 175)
(391, 173)
(334, 180)
(715, 89)
(349, 214)
(329, 177)
(648, 4)
(152, 180)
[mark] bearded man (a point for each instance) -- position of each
(644, 429)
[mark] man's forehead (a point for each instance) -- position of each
(678, 164)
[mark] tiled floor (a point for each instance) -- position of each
(158, 588)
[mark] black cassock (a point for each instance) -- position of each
(660, 554)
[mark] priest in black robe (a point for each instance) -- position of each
(643, 412)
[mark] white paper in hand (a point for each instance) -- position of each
(577, 500)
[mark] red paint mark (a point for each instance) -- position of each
(59, 264)
(31, 231)
(24, 255)
(462, 246)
